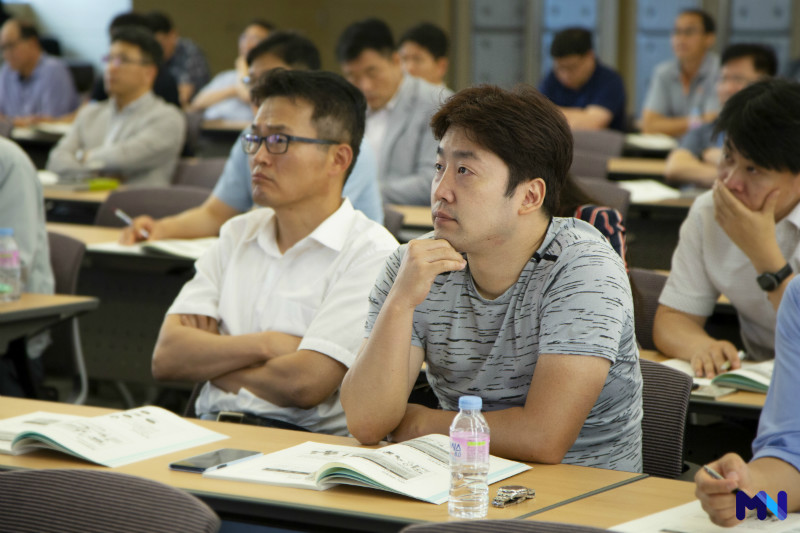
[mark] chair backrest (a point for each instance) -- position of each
(66, 255)
(82, 74)
(606, 193)
(393, 221)
(194, 123)
(589, 164)
(647, 286)
(500, 526)
(158, 202)
(665, 403)
(200, 172)
(189, 411)
(603, 142)
(76, 500)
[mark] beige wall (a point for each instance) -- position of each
(215, 24)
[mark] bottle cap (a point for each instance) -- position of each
(6, 232)
(470, 402)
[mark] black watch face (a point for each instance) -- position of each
(768, 281)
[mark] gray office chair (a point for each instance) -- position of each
(647, 286)
(65, 355)
(606, 193)
(189, 411)
(499, 526)
(200, 172)
(194, 124)
(589, 164)
(157, 202)
(85, 501)
(604, 142)
(665, 403)
(393, 221)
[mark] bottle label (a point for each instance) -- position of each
(469, 447)
(9, 258)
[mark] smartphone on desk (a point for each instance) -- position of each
(215, 460)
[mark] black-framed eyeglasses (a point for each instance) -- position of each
(277, 143)
(123, 60)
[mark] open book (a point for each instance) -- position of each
(419, 468)
(754, 377)
(111, 440)
(185, 248)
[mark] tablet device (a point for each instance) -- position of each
(213, 460)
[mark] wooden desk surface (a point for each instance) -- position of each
(416, 216)
(354, 506)
(31, 304)
(738, 398)
(86, 233)
(97, 197)
(636, 166)
(623, 504)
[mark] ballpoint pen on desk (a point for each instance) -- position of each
(122, 215)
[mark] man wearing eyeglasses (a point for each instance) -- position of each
(134, 134)
(681, 94)
(274, 316)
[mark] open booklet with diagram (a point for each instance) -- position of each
(114, 439)
(419, 468)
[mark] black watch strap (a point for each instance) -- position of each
(769, 281)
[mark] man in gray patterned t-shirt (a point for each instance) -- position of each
(530, 312)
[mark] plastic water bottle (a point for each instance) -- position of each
(469, 460)
(10, 269)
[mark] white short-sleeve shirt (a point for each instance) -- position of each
(707, 263)
(317, 290)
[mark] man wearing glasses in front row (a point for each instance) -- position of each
(274, 316)
(133, 135)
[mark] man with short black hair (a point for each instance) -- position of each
(423, 51)
(233, 193)
(591, 95)
(399, 108)
(274, 316)
(530, 311)
(134, 134)
(696, 158)
(34, 86)
(741, 239)
(182, 57)
(681, 92)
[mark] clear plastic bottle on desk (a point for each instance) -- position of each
(469, 461)
(10, 268)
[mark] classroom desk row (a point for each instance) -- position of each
(564, 493)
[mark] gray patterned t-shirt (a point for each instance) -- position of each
(573, 297)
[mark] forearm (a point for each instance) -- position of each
(770, 259)
(676, 335)
(208, 98)
(581, 119)
(375, 390)
(683, 167)
(656, 123)
(772, 475)
(201, 221)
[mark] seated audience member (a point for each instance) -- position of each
(33, 85)
(274, 316)
(399, 107)
(233, 192)
(423, 53)
(22, 208)
(134, 135)
(227, 96)
(741, 239)
(530, 311)
(164, 85)
(591, 95)
(775, 465)
(696, 158)
(183, 59)
(681, 93)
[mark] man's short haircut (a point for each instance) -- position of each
(339, 107)
(290, 47)
(369, 34)
(267, 25)
(762, 122)
(764, 60)
(522, 127)
(570, 42)
(429, 36)
(159, 22)
(143, 39)
(708, 22)
(128, 19)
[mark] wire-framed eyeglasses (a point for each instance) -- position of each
(277, 143)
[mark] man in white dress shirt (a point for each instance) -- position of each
(275, 314)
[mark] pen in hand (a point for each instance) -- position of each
(122, 215)
(716, 475)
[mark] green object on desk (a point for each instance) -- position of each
(102, 184)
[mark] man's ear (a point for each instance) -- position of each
(533, 199)
(441, 66)
(341, 157)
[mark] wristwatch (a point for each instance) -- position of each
(511, 494)
(769, 281)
